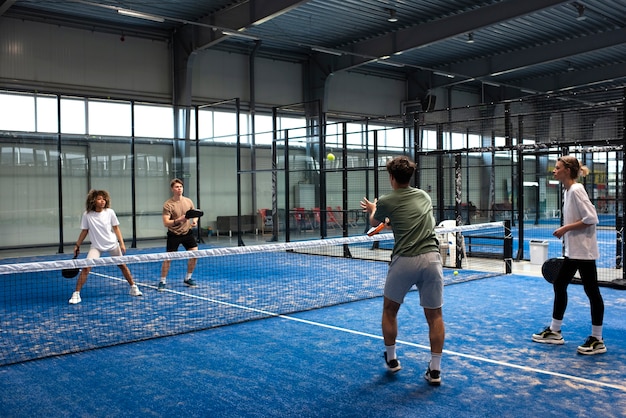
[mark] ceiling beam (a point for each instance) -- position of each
(428, 33)
(102, 26)
(578, 78)
(239, 17)
(5, 5)
(504, 64)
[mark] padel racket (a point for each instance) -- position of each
(551, 268)
(376, 229)
(70, 273)
(193, 213)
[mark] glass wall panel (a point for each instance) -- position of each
(46, 113)
(110, 118)
(73, 120)
(153, 121)
(18, 112)
(29, 209)
(153, 175)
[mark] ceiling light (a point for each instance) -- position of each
(326, 51)
(470, 38)
(581, 11)
(392, 16)
(390, 63)
(443, 74)
(141, 15)
(239, 35)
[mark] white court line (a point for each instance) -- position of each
(469, 356)
(379, 337)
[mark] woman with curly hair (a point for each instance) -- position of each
(100, 222)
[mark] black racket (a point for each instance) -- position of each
(193, 213)
(551, 268)
(70, 273)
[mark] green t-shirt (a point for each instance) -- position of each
(410, 212)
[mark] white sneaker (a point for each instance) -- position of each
(134, 291)
(75, 298)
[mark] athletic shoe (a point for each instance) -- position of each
(134, 291)
(161, 286)
(393, 365)
(592, 346)
(433, 377)
(75, 298)
(190, 283)
(547, 336)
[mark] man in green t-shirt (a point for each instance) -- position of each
(415, 260)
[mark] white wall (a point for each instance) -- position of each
(366, 95)
(68, 60)
(64, 60)
(219, 75)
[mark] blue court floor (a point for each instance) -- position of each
(328, 363)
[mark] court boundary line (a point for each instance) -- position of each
(380, 337)
(468, 356)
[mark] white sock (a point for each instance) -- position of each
(188, 276)
(435, 361)
(163, 279)
(596, 331)
(556, 325)
(391, 352)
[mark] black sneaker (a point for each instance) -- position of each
(190, 283)
(547, 336)
(393, 365)
(592, 346)
(433, 377)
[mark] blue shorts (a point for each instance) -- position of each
(425, 271)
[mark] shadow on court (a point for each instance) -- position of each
(328, 362)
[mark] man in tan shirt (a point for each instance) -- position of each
(179, 231)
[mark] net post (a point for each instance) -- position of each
(375, 244)
(619, 234)
(508, 247)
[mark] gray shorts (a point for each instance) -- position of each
(425, 271)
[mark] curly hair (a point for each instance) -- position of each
(401, 168)
(575, 168)
(90, 204)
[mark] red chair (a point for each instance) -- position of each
(332, 220)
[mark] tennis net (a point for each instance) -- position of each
(235, 284)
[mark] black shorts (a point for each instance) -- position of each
(174, 241)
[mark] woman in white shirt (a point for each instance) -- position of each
(581, 252)
(102, 225)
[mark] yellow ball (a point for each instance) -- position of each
(330, 156)
(456, 272)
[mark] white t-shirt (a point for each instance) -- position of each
(100, 226)
(580, 244)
